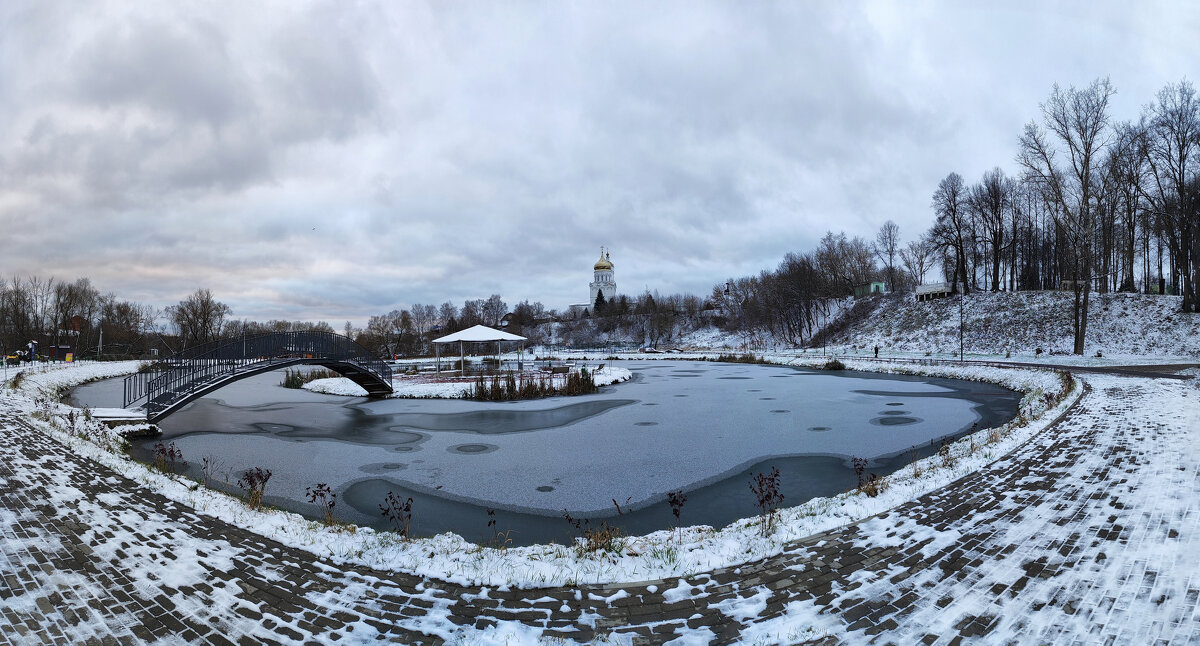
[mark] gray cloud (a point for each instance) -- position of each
(321, 161)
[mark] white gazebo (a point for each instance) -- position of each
(477, 334)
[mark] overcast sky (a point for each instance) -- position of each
(337, 160)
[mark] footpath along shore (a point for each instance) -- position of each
(1086, 532)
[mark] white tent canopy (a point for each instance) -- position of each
(477, 334)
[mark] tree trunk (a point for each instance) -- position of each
(1082, 319)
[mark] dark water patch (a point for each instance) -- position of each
(681, 395)
(894, 421)
(819, 429)
(894, 412)
(766, 399)
(893, 404)
(497, 421)
(367, 434)
(382, 467)
(545, 488)
(735, 377)
(781, 410)
(472, 449)
(683, 375)
(645, 423)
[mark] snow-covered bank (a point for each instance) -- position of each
(427, 387)
(657, 555)
(1130, 326)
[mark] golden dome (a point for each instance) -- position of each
(604, 262)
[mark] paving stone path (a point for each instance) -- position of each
(1086, 534)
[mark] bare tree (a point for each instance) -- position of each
(951, 232)
(471, 313)
(887, 248)
(991, 201)
(1078, 122)
(845, 262)
(447, 314)
(1127, 166)
(917, 257)
(199, 318)
(493, 310)
(1171, 150)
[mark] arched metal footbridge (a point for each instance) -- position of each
(180, 378)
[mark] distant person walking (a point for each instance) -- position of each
(876, 352)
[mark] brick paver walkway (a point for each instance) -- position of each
(1086, 534)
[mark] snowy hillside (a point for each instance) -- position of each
(1119, 325)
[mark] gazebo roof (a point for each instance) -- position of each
(479, 333)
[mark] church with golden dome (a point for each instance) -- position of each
(604, 282)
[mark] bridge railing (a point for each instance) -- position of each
(172, 377)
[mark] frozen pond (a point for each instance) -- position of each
(697, 426)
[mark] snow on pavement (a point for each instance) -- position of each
(1086, 532)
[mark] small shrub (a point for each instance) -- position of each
(834, 364)
(748, 357)
(604, 538)
(500, 539)
(165, 454)
(874, 485)
(870, 483)
(400, 513)
(860, 466)
(917, 469)
(510, 387)
(15, 383)
(581, 383)
(297, 378)
(676, 499)
(948, 459)
(254, 481)
(324, 498)
(208, 465)
(765, 488)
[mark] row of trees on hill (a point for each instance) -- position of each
(1096, 206)
(647, 319)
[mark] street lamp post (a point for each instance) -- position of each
(961, 298)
